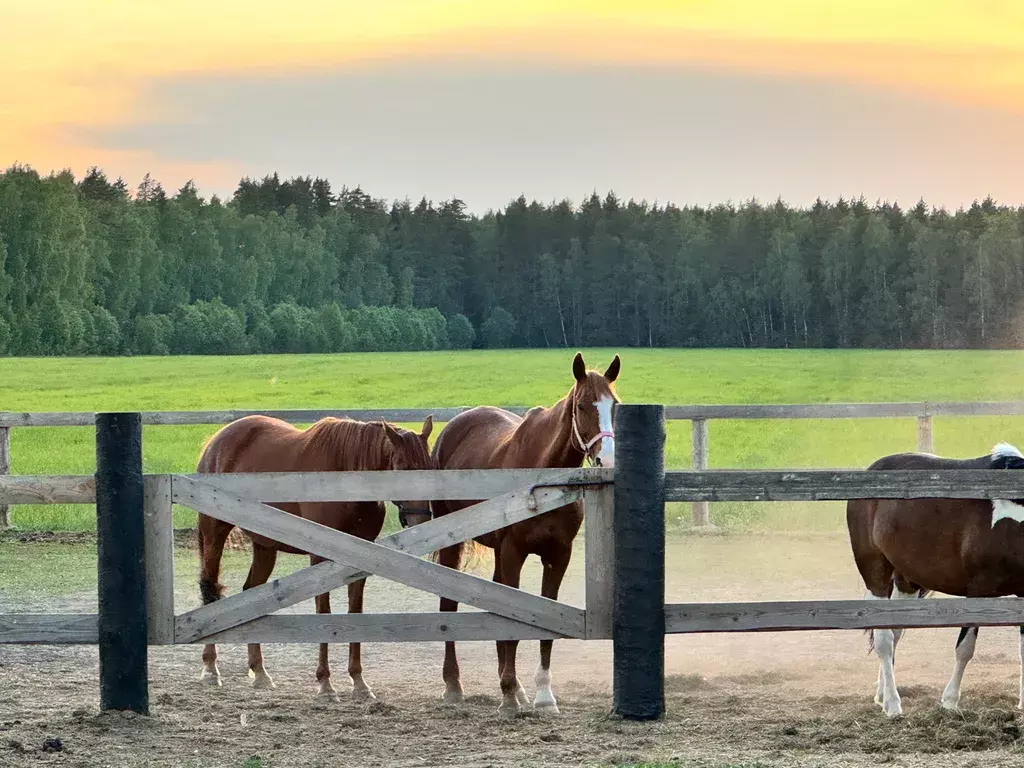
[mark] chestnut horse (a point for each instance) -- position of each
(262, 444)
(907, 548)
(579, 426)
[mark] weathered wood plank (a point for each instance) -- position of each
(430, 485)
(422, 539)
(40, 489)
(683, 618)
(388, 563)
(5, 469)
(828, 485)
(159, 550)
(672, 412)
(699, 462)
(842, 410)
(49, 629)
(925, 443)
(381, 628)
(295, 416)
(599, 540)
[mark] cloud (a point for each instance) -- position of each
(489, 132)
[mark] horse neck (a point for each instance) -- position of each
(357, 446)
(551, 431)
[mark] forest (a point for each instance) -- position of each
(91, 266)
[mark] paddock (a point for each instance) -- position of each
(791, 698)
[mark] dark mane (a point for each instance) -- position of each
(1005, 456)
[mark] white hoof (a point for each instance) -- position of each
(509, 709)
(362, 695)
(521, 697)
(452, 697)
(210, 677)
(546, 708)
(893, 709)
(326, 692)
(261, 681)
(1020, 704)
(951, 704)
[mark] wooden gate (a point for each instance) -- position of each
(507, 613)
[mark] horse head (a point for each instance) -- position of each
(592, 401)
(411, 451)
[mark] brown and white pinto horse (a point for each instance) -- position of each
(579, 426)
(907, 548)
(262, 444)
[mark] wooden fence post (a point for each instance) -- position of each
(121, 566)
(5, 469)
(699, 432)
(159, 552)
(638, 621)
(924, 434)
(598, 563)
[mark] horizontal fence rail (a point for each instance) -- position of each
(832, 485)
(9, 419)
(801, 615)
(698, 415)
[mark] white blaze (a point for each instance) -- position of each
(604, 419)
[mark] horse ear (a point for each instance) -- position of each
(579, 368)
(428, 426)
(613, 370)
(392, 434)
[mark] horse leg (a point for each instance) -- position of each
(263, 560)
(521, 696)
(884, 643)
(1020, 701)
(360, 690)
(551, 580)
(212, 535)
(512, 559)
(453, 694)
(496, 578)
(964, 653)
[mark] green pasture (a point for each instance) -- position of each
(526, 377)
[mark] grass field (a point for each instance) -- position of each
(526, 378)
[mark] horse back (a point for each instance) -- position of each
(252, 444)
(474, 439)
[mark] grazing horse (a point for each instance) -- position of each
(579, 426)
(907, 548)
(262, 444)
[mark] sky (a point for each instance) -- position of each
(691, 102)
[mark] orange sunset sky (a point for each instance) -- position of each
(688, 101)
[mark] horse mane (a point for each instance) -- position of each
(356, 445)
(1006, 456)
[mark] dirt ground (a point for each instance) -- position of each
(767, 699)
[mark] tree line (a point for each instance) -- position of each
(89, 266)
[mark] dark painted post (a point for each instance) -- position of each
(638, 621)
(121, 563)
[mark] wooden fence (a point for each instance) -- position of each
(698, 415)
(624, 557)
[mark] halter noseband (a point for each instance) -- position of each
(586, 445)
(403, 512)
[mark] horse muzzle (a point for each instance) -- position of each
(604, 443)
(409, 515)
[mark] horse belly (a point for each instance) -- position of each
(922, 550)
